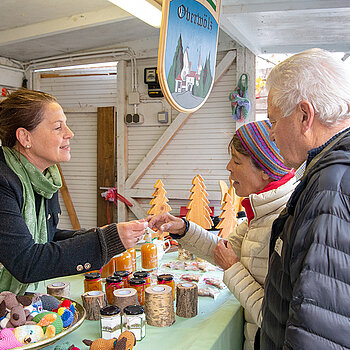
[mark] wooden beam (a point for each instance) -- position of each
(61, 25)
(172, 130)
(284, 6)
(122, 138)
(171, 194)
(137, 209)
(68, 202)
(105, 160)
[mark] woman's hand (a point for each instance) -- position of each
(224, 255)
(131, 232)
(166, 222)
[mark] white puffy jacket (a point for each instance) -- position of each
(246, 278)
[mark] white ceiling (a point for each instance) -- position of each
(33, 29)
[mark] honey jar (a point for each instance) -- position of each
(144, 275)
(139, 284)
(167, 279)
(112, 283)
(125, 275)
(123, 262)
(149, 259)
(92, 282)
(132, 252)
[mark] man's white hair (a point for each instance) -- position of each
(316, 76)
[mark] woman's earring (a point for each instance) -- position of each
(27, 146)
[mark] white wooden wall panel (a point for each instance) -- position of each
(79, 96)
(80, 172)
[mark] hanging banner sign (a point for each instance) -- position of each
(187, 51)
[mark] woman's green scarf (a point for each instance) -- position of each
(45, 184)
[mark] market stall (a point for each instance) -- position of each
(218, 324)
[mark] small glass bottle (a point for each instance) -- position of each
(123, 262)
(139, 284)
(92, 282)
(144, 275)
(168, 279)
(125, 275)
(134, 320)
(112, 283)
(110, 322)
(132, 252)
(149, 259)
(108, 269)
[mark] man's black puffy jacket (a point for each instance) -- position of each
(307, 290)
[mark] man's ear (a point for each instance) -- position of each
(23, 137)
(307, 115)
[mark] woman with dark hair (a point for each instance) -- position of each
(35, 137)
(258, 173)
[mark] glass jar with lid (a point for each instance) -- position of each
(139, 284)
(92, 282)
(125, 275)
(111, 324)
(143, 274)
(168, 279)
(134, 320)
(112, 283)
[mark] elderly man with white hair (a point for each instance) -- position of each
(307, 289)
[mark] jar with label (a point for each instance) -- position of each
(108, 269)
(92, 282)
(125, 275)
(112, 283)
(139, 284)
(149, 259)
(132, 252)
(134, 320)
(168, 279)
(123, 262)
(110, 322)
(144, 275)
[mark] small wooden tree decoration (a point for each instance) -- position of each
(236, 200)
(198, 207)
(159, 202)
(228, 217)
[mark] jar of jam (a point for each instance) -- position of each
(168, 279)
(149, 259)
(112, 283)
(139, 284)
(125, 275)
(92, 282)
(123, 262)
(132, 252)
(144, 275)
(108, 269)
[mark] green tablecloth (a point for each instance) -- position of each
(218, 325)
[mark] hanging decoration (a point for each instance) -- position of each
(187, 51)
(239, 99)
(112, 195)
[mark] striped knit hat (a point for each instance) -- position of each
(255, 139)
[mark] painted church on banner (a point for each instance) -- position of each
(187, 78)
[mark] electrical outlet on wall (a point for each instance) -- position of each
(163, 117)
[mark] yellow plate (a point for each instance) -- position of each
(79, 317)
